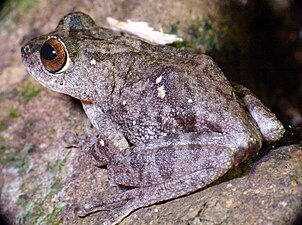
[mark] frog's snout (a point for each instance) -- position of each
(26, 54)
(26, 50)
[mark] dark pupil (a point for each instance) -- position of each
(48, 52)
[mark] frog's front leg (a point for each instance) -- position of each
(111, 141)
(166, 168)
(271, 128)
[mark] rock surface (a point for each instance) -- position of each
(44, 176)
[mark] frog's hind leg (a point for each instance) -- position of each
(270, 127)
(200, 167)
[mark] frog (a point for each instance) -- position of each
(169, 122)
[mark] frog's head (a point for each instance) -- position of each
(61, 60)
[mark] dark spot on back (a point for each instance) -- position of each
(138, 164)
(187, 122)
(165, 159)
(213, 127)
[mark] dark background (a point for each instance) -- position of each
(269, 57)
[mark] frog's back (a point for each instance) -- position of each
(174, 94)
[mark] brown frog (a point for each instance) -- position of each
(170, 122)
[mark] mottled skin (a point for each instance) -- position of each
(170, 122)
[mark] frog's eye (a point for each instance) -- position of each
(54, 56)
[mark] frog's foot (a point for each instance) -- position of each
(105, 216)
(71, 140)
(99, 148)
(270, 127)
(93, 147)
(86, 209)
(89, 208)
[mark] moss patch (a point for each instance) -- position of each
(57, 166)
(16, 159)
(39, 214)
(13, 112)
(29, 90)
(36, 211)
(209, 35)
(20, 6)
(43, 209)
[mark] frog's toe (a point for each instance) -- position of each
(104, 216)
(86, 209)
(70, 140)
(271, 128)
(82, 210)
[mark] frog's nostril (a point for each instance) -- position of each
(26, 49)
